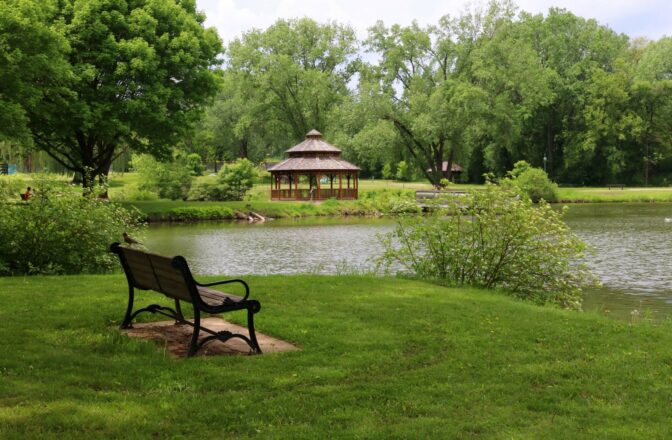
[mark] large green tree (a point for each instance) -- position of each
(32, 64)
(577, 52)
(652, 104)
(292, 75)
(141, 71)
(441, 89)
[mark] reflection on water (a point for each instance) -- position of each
(632, 242)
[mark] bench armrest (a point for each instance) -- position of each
(216, 283)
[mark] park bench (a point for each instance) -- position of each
(171, 276)
(615, 185)
(428, 199)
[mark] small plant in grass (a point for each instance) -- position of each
(60, 231)
(494, 239)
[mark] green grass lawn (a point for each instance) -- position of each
(379, 358)
(662, 194)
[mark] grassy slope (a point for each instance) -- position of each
(380, 359)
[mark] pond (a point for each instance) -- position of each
(632, 242)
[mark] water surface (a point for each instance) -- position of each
(632, 251)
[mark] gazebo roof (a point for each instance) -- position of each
(323, 163)
(313, 144)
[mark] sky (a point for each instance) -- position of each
(644, 18)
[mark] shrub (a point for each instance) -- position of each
(533, 182)
(387, 171)
(404, 172)
(233, 182)
(494, 240)
(195, 164)
(61, 232)
(201, 213)
(236, 179)
(170, 180)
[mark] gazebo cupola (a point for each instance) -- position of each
(314, 170)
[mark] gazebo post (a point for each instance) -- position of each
(296, 186)
(340, 185)
(317, 181)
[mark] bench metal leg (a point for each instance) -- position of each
(129, 309)
(179, 319)
(250, 327)
(193, 345)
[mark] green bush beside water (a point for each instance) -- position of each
(379, 358)
(60, 231)
(494, 239)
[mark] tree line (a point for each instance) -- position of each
(87, 79)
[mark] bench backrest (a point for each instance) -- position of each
(147, 271)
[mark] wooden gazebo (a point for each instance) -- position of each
(314, 170)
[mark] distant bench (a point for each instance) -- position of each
(615, 185)
(428, 198)
(172, 277)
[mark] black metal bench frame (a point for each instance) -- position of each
(172, 277)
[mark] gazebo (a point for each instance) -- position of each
(314, 170)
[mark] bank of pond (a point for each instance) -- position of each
(378, 358)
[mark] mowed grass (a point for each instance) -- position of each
(597, 195)
(380, 358)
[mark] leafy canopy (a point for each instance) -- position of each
(141, 69)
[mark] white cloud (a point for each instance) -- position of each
(233, 17)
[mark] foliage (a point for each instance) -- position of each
(279, 81)
(10, 188)
(533, 182)
(170, 180)
(432, 85)
(140, 71)
(60, 232)
(493, 239)
(404, 172)
(234, 180)
(191, 213)
(386, 172)
(195, 164)
(32, 64)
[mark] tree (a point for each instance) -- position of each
(428, 88)
(573, 50)
(296, 71)
(141, 71)
(32, 63)
(236, 124)
(652, 103)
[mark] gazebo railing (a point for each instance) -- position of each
(304, 194)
